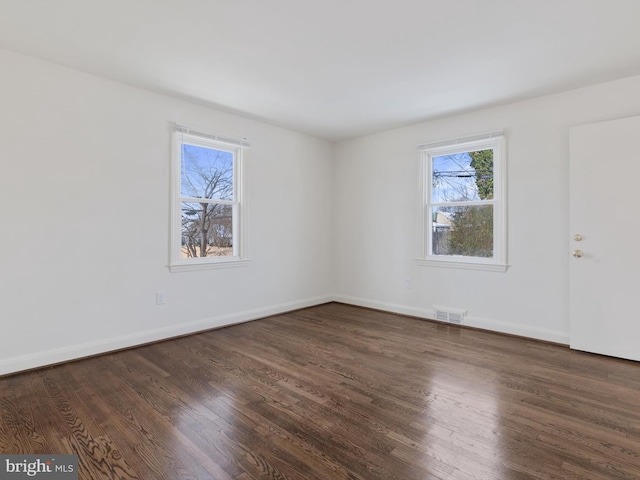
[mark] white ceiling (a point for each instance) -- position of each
(335, 68)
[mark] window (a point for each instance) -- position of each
(462, 203)
(207, 228)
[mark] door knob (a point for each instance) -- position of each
(577, 253)
(578, 237)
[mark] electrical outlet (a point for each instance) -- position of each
(407, 283)
(161, 298)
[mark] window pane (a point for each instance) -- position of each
(206, 173)
(466, 176)
(464, 231)
(207, 230)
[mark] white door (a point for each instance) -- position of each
(605, 211)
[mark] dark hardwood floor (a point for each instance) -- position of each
(333, 392)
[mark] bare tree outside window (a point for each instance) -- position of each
(207, 191)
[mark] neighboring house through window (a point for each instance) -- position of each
(207, 226)
(462, 203)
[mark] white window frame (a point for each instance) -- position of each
(494, 140)
(234, 146)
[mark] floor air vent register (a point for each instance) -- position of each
(450, 315)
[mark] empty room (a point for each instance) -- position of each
(319, 240)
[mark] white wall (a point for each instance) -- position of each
(375, 215)
(84, 202)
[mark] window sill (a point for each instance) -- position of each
(196, 266)
(467, 265)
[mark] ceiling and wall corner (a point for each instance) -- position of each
(335, 69)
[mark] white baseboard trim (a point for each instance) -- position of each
(74, 352)
(477, 322)
(57, 355)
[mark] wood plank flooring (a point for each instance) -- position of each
(333, 392)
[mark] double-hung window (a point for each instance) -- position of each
(207, 216)
(462, 203)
